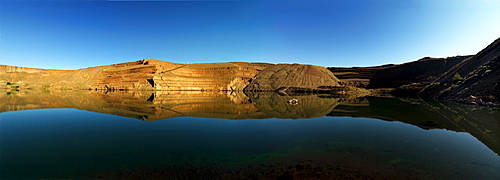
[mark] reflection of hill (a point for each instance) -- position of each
(481, 123)
(156, 105)
(309, 106)
(144, 105)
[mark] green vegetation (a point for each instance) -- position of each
(46, 86)
(457, 78)
(12, 91)
(12, 85)
(488, 71)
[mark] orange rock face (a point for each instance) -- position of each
(145, 74)
(152, 74)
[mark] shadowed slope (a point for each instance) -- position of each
(392, 76)
(478, 76)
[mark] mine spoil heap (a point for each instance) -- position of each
(152, 74)
(292, 75)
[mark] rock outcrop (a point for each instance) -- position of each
(478, 76)
(292, 75)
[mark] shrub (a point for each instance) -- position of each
(46, 86)
(457, 78)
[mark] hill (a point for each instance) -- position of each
(424, 70)
(477, 76)
(152, 74)
(292, 75)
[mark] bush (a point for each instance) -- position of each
(457, 78)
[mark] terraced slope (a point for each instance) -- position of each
(207, 77)
(147, 74)
(152, 74)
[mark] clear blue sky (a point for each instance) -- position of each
(77, 34)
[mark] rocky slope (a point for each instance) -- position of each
(151, 74)
(476, 76)
(147, 74)
(292, 75)
(392, 76)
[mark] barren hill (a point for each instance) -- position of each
(292, 75)
(147, 74)
(152, 74)
(392, 76)
(477, 76)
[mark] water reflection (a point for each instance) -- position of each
(151, 106)
(66, 141)
(480, 122)
(157, 105)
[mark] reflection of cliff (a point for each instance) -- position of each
(481, 123)
(156, 105)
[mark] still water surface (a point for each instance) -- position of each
(74, 143)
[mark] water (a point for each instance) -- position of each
(122, 135)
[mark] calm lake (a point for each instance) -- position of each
(190, 135)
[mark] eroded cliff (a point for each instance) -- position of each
(147, 74)
(152, 74)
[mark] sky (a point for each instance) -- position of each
(73, 34)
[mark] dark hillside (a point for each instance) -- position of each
(392, 76)
(423, 70)
(477, 76)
